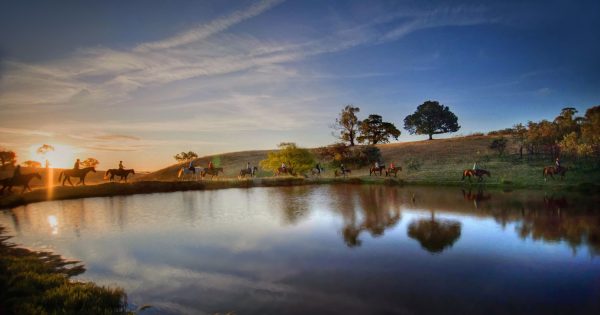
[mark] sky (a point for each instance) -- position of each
(140, 81)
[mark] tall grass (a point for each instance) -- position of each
(39, 283)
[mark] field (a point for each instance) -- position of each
(437, 162)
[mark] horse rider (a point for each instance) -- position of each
(248, 167)
(318, 167)
(343, 168)
(283, 166)
(392, 167)
(17, 172)
(557, 163)
(376, 165)
(191, 166)
(121, 167)
(475, 166)
(76, 166)
(210, 165)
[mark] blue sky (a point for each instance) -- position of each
(142, 80)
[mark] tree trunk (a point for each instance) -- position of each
(430, 136)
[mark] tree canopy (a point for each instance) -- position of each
(185, 156)
(431, 118)
(90, 162)
(7, 158)
(374, 130)
(346, 125)
(299, 159)
(32, 164)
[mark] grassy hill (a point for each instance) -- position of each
(433, 162)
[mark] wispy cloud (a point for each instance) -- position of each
(26, 132)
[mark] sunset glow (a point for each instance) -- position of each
(63, 156)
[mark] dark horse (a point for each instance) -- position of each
(211, 171)
(343, 172)
(554, 170)
(251, 172)
(21, 180)
(374, 170)
(286, 170)
(475, 173)
(394, 171)
(80, 173)
(123, 173)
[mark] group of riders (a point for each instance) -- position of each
(76, 166)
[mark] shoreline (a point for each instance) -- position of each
(149, 187)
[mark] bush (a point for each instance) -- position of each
(298, 159)
(413, 164)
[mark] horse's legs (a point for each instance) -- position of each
(69, 180)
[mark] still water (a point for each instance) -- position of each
(340, 249)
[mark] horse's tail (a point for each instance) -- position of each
(179, 172)
(106, 174)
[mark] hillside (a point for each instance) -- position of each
(438, 161)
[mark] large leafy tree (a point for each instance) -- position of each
(374, 130)
(299, 159)
(431, 118)
(185, 156)
(346, 125)
(7, 158)
(32, 164)
(90, 162)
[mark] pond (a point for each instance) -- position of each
(333, 249)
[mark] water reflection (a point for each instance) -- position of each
(435, 235)
(336, 249)
(365, 208)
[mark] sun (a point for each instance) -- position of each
(63, 155)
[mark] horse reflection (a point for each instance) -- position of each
(476, 198)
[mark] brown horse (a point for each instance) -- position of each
(394, 171)
(475, 173)
(553, 170)
(374, 170)
(211, 171)
(80, 173)
(286, 170)
(123, 173)
(21, 180)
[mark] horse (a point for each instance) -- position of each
(554, 170)
(186, 171)
(123, 173)
(21, 180)
(211, 171)
(394, 171)
(343, 172)
(475, 173)
(252, 172)
(81, 173)
(374, 170)
(285, 170)
(317, 171)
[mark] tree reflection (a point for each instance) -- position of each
(435, 235)
(294, 201)
(365, 208)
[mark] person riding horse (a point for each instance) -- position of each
(17, 172)
(283, 167)
(392, 167)
(248, 168)
(121, 167)
(210, 165)
(76, 166)
(557, 163)
(318, 167)
(191, 167)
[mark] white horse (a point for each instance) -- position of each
(183, 171)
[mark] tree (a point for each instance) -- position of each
(499, 145)
(519, 132)
(43, 150)
(590, 129)
(32, 164)
(7, 158)
(567, 122)
(431, 118)
(185, 156)
(346, 125)
(90, 162)
(374, 130)
(298, 159)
